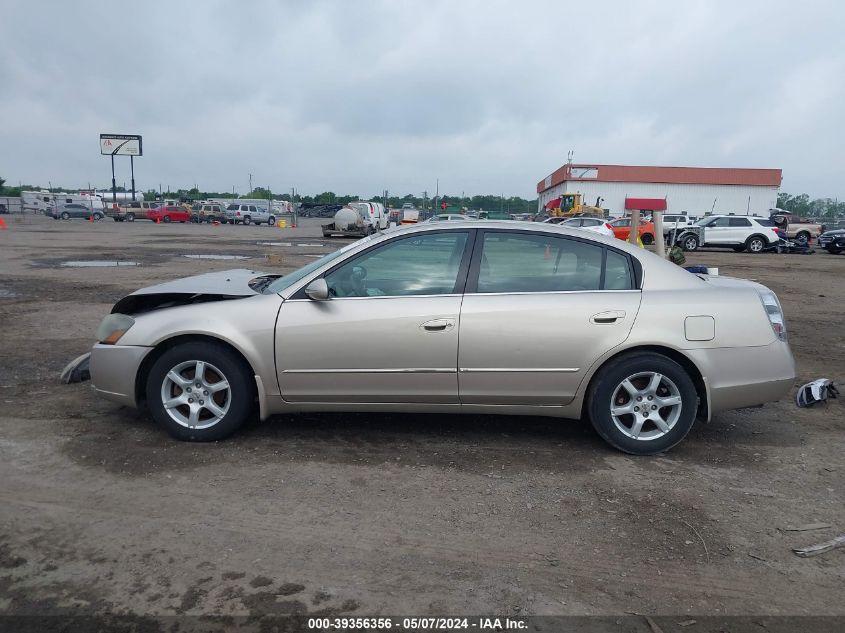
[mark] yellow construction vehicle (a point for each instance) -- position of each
(571, 204)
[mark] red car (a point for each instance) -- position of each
(622, 229)
(169, 214)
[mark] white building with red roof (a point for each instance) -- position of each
(691, 190)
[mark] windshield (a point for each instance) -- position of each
(282, 283)
(704, 221)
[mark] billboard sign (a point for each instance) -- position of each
(121, 145)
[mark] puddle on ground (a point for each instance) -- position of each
(98, 263)
(5, 293)
(216, 256)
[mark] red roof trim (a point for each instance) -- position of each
(667, 175)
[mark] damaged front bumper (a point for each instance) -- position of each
(114, 369)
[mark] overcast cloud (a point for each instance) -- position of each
(359, 96)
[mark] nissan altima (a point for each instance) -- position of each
(454, 317)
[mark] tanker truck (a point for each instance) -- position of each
(357, 219)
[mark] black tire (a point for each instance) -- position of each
(647, 239)
(130, 217)
(834, 250)
(271, 221)
(241, 392)
(247, 220)
(803, 238)
(98, 217)
(689, 242)
(65, 216)
(609, 379)
(166, 219)
(117, 219)
(755, 244)
(739, 249)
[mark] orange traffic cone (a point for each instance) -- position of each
(91, 218)
(158, 220)
(3, 226)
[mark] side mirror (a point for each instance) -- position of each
(318, 290)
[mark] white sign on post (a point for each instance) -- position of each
(121, 145)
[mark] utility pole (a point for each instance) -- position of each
(250, 183)
(425, 199)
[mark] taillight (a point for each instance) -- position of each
(608, 226)
(774, 312)
(237, 212)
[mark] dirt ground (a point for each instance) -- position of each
(100, 511)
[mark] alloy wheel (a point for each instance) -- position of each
(645, 406)
(196, 394)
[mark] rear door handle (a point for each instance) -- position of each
(606, 318)
(438, 325)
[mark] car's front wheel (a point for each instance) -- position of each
(166, 219)
(642, 404)
(647, 238)
(834, 250)
(200, 392)
(689, 243)
(247, 220)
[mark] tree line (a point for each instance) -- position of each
(819, 208)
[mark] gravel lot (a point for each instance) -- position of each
(393, 514)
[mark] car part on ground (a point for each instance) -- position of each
(77, 370)
(817, 391)
(641, 332)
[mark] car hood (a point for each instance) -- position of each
(834, 232)
(218, 286)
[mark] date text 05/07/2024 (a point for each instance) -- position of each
(417, 624)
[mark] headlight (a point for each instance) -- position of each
(113, 327)
(774, 312)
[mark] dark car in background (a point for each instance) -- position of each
(833, 241)
(71, 210)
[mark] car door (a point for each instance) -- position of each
(718, 231)
(388, 332)
(538, 311)
(739, 230)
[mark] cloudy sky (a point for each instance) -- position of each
(359, 96)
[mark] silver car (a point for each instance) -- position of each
(458, 317)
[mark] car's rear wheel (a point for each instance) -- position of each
(166, 219)
(271, 221)
(200, 392)
(803, 238)
(98, 217)
(642, 404)
(647, 238)
(689, 243)
(130, 217)
(755, 244)
(65, 216)
(247, 220)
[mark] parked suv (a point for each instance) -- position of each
(130, 211)
(248, 214)
(740, 232)
(208, 212)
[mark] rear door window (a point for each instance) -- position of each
(739, 222)
(525, 262)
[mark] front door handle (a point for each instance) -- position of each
(438, 325)
(607, 318)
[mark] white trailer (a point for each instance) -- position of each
(43, 201)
